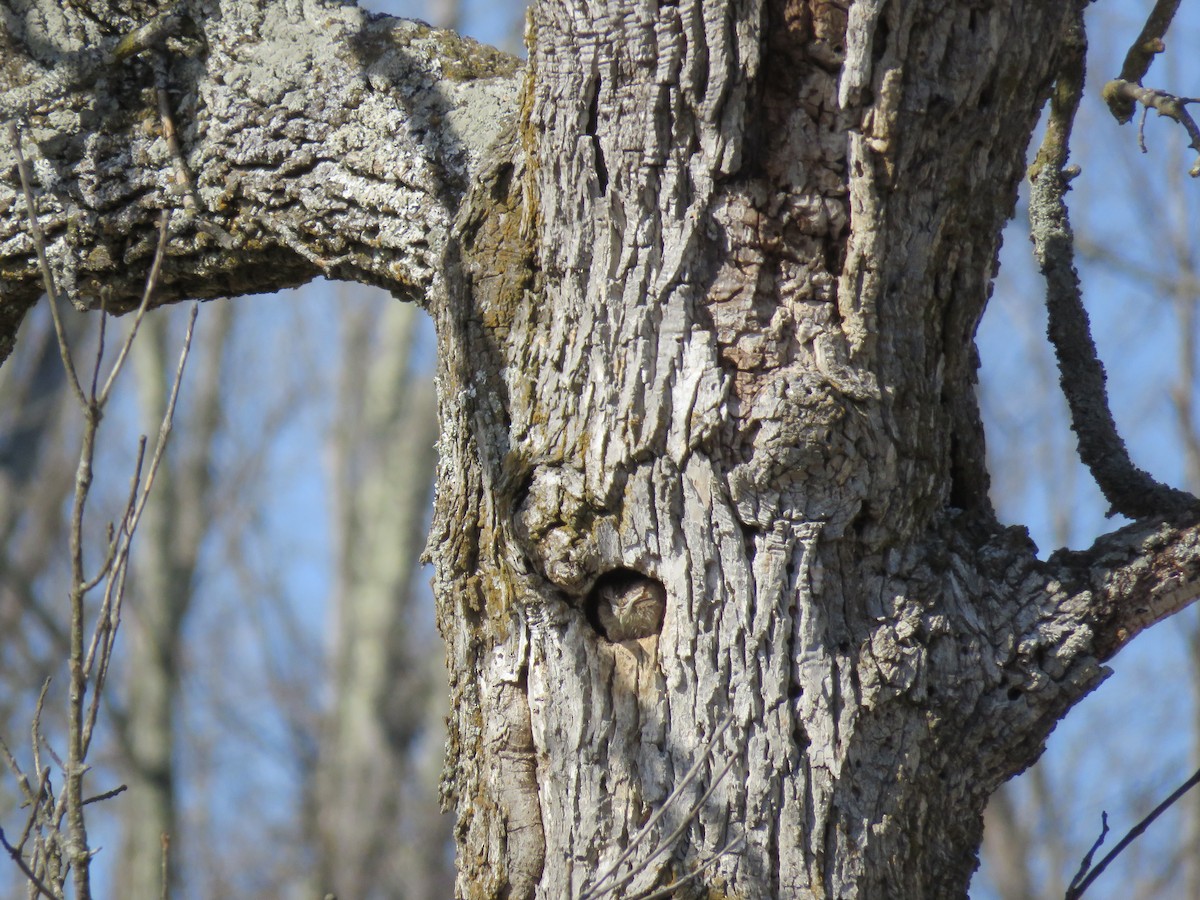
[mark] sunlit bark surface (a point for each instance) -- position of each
(722, 591)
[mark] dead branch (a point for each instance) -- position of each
(1130, 491)
(1086, 875)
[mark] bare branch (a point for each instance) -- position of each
(39, 243)
(598, 890)
(434, 124)
(1150, 42)
(36, 730)
(151, 281)
(1164, 104)
(1130, 579)
(166, 849)
(99, 360)
(114, 593)
(1124, 93)
(1073, 889)
(24, 867)
(1076, 890)
(82, 712)
(151, 34)
(107, 795)
(674, 886)
(38, 804)
(18, 773)
(1129, 490)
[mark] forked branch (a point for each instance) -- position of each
(1087, 874)
(60, 843)
(1124, 93)
(1130, 491)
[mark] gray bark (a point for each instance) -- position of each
(705, 318)
(317, 139)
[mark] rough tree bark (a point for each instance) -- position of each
(705, 276)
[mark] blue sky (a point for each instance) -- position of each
(1123, 748)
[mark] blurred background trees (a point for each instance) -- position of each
(280, 701)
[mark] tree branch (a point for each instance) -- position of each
(1128, 580)
(1150, 42)
(1129, 490)
(1124, 93)
(1087, 874)
(319, 139)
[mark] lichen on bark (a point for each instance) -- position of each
(705, 277)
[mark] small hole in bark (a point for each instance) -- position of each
(500, 186)
(625, 605)
(1014, 693)
(521, 492)
(800, 738)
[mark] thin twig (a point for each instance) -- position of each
(24, 867)
(15, 768)
(36, 810)
(35, 729)
(151, 283)
(166, 847)
(39, 243)
(115, 591)
(117, 536)
(53, 754)
(1086, 863)
(1134, 833)
(183, 179)
(151, 34)
(645, 830)
(99, 344)
(52, 847)
(168, 418)
(696, 807)
(692, 876)
(107, 795)
(671, 839)
(115, 548)
(71, 799)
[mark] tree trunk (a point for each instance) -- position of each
(722, 590)
(733, 362)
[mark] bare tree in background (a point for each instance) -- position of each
(389, 699)
(387, 685)
(52, 851)
(37, 463)
(178, 520)
(711, 494)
